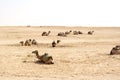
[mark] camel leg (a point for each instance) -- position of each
(49, 62)
(111, 53)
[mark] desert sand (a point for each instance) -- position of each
(77, 57)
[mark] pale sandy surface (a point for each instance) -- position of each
(80, 57)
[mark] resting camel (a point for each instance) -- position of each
(115, 50)
(34, 42)
(45, 33)
(62, 34)
(54, 44)
(44, 58)
(90, 32)
(79, 32)
(75, 33)
(68, 32)
(58, 41)
(27, 43)
(22, 43)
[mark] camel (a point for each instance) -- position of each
(44, 58)
(68, 32)
(22, 43)
(54, 44)
(79, 32)
(30, 41)
(90, 32)
(62, 34)
(34, 42)
(58, 41)
(115, 50)
(75, 33)
(45, 33)
(27, 43)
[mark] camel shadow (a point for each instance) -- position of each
(37, 62)
(40, 62)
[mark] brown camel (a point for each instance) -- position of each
(45, 33)
(115, 50)
(68, 32)
(90, 32)
(62, 34)
(54, 44)
(27, 43)
(44, 58)
(58, 41)
(34, 42)
(22, 43)
(30, 41)
(79, 32)
(75, 33)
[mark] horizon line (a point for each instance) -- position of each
(50, 26)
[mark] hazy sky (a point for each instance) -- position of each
(60, 12)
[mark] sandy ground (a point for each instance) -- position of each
(77, 57)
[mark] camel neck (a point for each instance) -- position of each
(37, 55)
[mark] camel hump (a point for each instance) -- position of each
(45, 57)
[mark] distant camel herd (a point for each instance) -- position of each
(28, 42)
(64, 34)
(45, 58)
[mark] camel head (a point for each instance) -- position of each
(30, 40)
(118, 47)
(35, 52)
